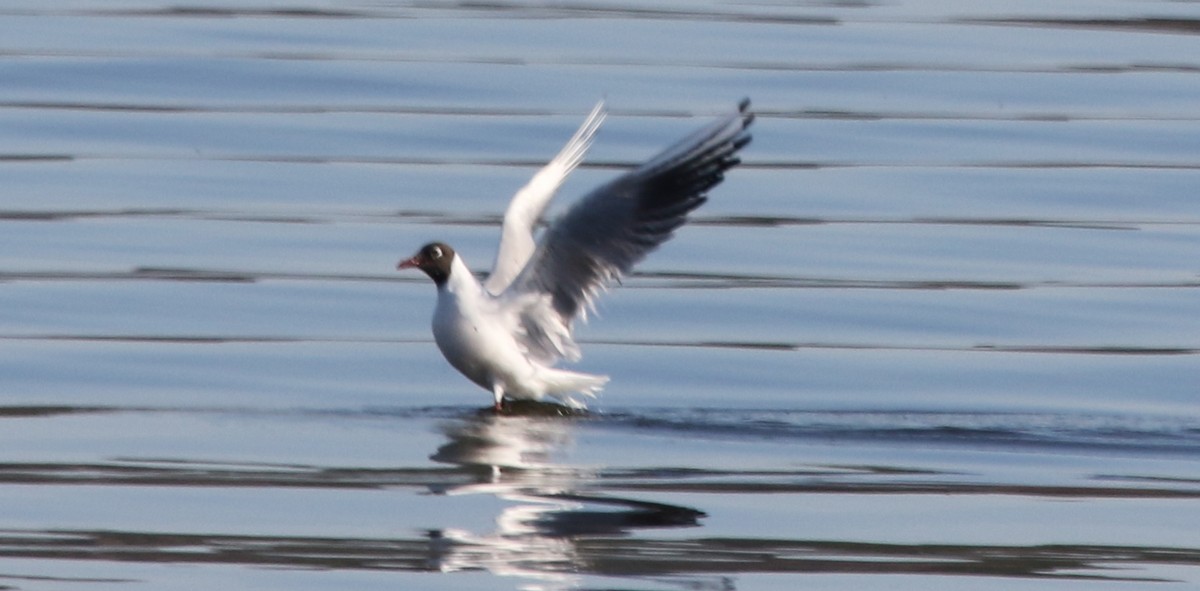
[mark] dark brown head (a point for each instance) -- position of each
(434, 259)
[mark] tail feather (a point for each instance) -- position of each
(560, 384)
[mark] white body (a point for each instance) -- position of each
(478, 334)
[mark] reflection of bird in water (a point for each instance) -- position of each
(519, 459)
(513, 448)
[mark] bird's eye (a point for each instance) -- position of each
(435, 252)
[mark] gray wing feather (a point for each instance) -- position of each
(616, 225)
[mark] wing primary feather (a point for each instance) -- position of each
(612, 228)
(526, 207)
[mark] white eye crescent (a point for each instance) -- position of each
(436, 252)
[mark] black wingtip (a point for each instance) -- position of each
(744, 111)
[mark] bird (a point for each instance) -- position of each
(509, 332)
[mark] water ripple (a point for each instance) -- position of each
(1130, 433)
(620, 556)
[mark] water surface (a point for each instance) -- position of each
(937, 331)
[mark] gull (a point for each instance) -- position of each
(508, 333)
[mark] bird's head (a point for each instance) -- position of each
(434, 259)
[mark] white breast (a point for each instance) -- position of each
(473, 334)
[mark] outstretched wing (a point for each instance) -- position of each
(615, 226)
(516, 236)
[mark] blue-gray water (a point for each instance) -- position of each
(940, 331)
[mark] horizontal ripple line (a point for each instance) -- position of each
(525, 60)
(635, 280)
(183, 473)
(1004, 430)
(509, 112)
(693, 560)
(702, 344)
(977, 348)
(495, 219)
(756, 164)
